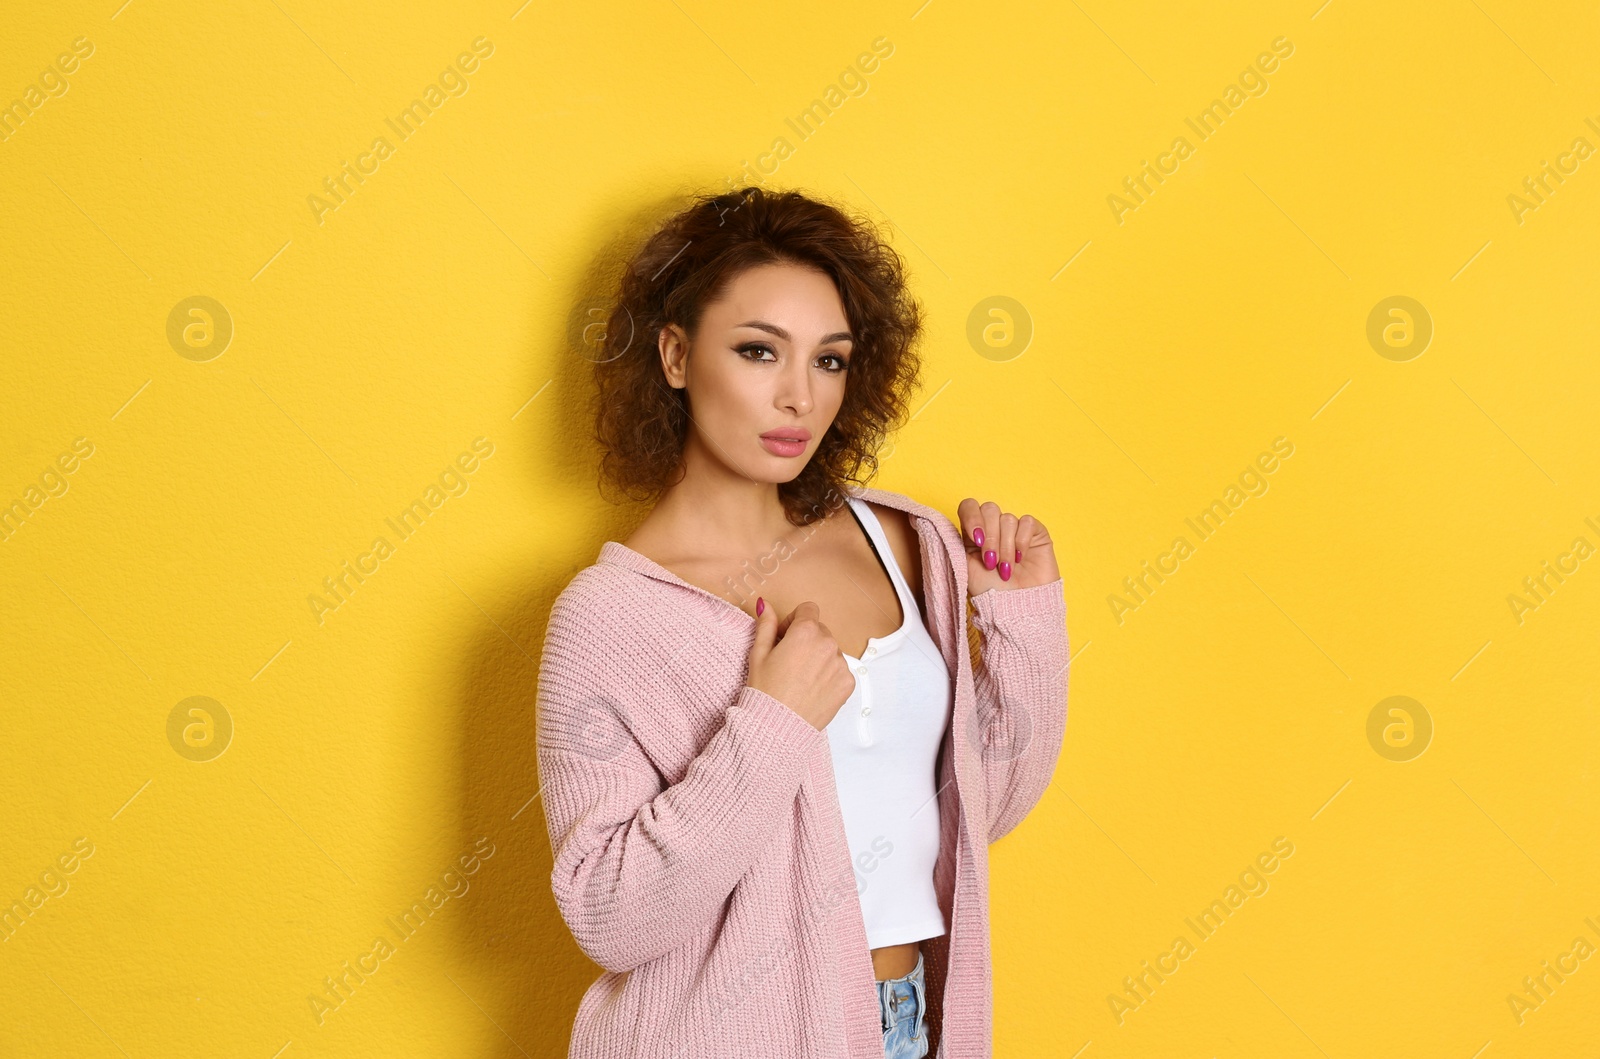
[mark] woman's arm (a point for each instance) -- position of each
(1020, 675)
(1021, 683)
(640, 867)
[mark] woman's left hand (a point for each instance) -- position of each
(1003, 550)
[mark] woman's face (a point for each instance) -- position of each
(765, 373)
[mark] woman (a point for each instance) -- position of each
(770, 768)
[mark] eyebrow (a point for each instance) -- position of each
(774, 329)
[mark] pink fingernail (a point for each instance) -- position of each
(988, 559)
(1005, 571)
(761, 605)
(977, 535)
(1019, 555)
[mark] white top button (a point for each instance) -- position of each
(865, 710)
(871, 651)
(861, 671)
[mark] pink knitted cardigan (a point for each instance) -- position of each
(699, 850)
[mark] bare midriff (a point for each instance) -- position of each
(895, 961)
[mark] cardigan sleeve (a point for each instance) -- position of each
(641, 867)
(1020, 679)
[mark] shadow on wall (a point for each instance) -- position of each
(512, 933)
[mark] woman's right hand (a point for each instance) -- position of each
(798, 662)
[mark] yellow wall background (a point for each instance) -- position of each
(198, 875)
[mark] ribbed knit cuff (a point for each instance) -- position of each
(1039, 605)
(787, 734)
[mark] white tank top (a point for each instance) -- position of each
(884, 741)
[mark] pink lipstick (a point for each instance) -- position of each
(786, 441)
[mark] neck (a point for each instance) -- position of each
(715, 507)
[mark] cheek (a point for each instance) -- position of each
(725, 398)
(830, 395)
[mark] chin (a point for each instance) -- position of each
(780, 469)
(785, 475)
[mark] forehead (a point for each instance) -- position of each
(783, 294)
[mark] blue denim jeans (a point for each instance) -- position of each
(905, 1031)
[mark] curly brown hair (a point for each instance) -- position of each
(641, 422)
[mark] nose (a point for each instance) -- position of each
(794, 387)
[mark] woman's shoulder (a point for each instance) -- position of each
(906, 509)
(612, 604)
(603, 589)
(598, 583)
(905, 522)
(602, 626)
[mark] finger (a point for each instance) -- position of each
(766, 628)
(1027, 527)
(1008, 544)
(805, 610)
(991, 533)
(971, 520)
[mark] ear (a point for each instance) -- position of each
(673, 345)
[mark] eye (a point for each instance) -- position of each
(840, 364)
(744, 349)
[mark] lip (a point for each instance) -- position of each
(786, 441)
